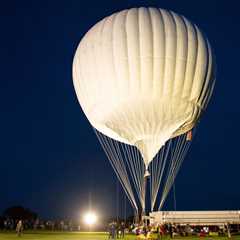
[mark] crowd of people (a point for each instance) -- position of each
(116, 230)
(145, 231)
(9, 224)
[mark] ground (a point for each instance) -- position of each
(86, 236)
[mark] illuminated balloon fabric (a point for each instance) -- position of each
(143, 76)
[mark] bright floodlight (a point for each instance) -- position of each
(90, 218)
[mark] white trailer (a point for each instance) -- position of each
(201, 218)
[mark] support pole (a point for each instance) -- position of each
(144, 213)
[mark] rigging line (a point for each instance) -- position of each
(153, 163)
(132, 149)
(141, 176)
(162, 170)
(152, 178)
(173, 151)
(159, 164)
(174, 159)
(168, 181)
(182, 157)
(126, 186)
(131, 172)
(141, 172)
(120, 163)
(139, 190)
(138, 169)
(174, 163)
(140, 166)
(139, 187)
(138, 162)
(125, 173)
(160, 158)
(127, 191)
(114, 158)
(154, 175)
(123, 178)
(156, 178)
(120, 155)
(123, 162)
(133, 165)
(129, 161)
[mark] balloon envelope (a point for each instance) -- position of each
(143, 76)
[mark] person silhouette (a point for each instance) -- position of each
(19, 228)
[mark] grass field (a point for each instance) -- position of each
(87, 236)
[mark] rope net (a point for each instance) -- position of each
(129, 167)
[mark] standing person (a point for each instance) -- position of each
(5, 224)
(171, 230)
(228, 230)
(112, 231)
(115, 229)
(122, 229)
(159, 232)
(62, 225)
(145, 230)
(19, 228)
(118, 227)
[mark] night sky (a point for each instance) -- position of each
(51, 161)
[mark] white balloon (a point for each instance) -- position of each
(143, 76)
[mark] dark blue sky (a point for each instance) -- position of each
(50, 157)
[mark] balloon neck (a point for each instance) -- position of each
(147, 173)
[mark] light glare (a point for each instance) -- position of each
(90, 218)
